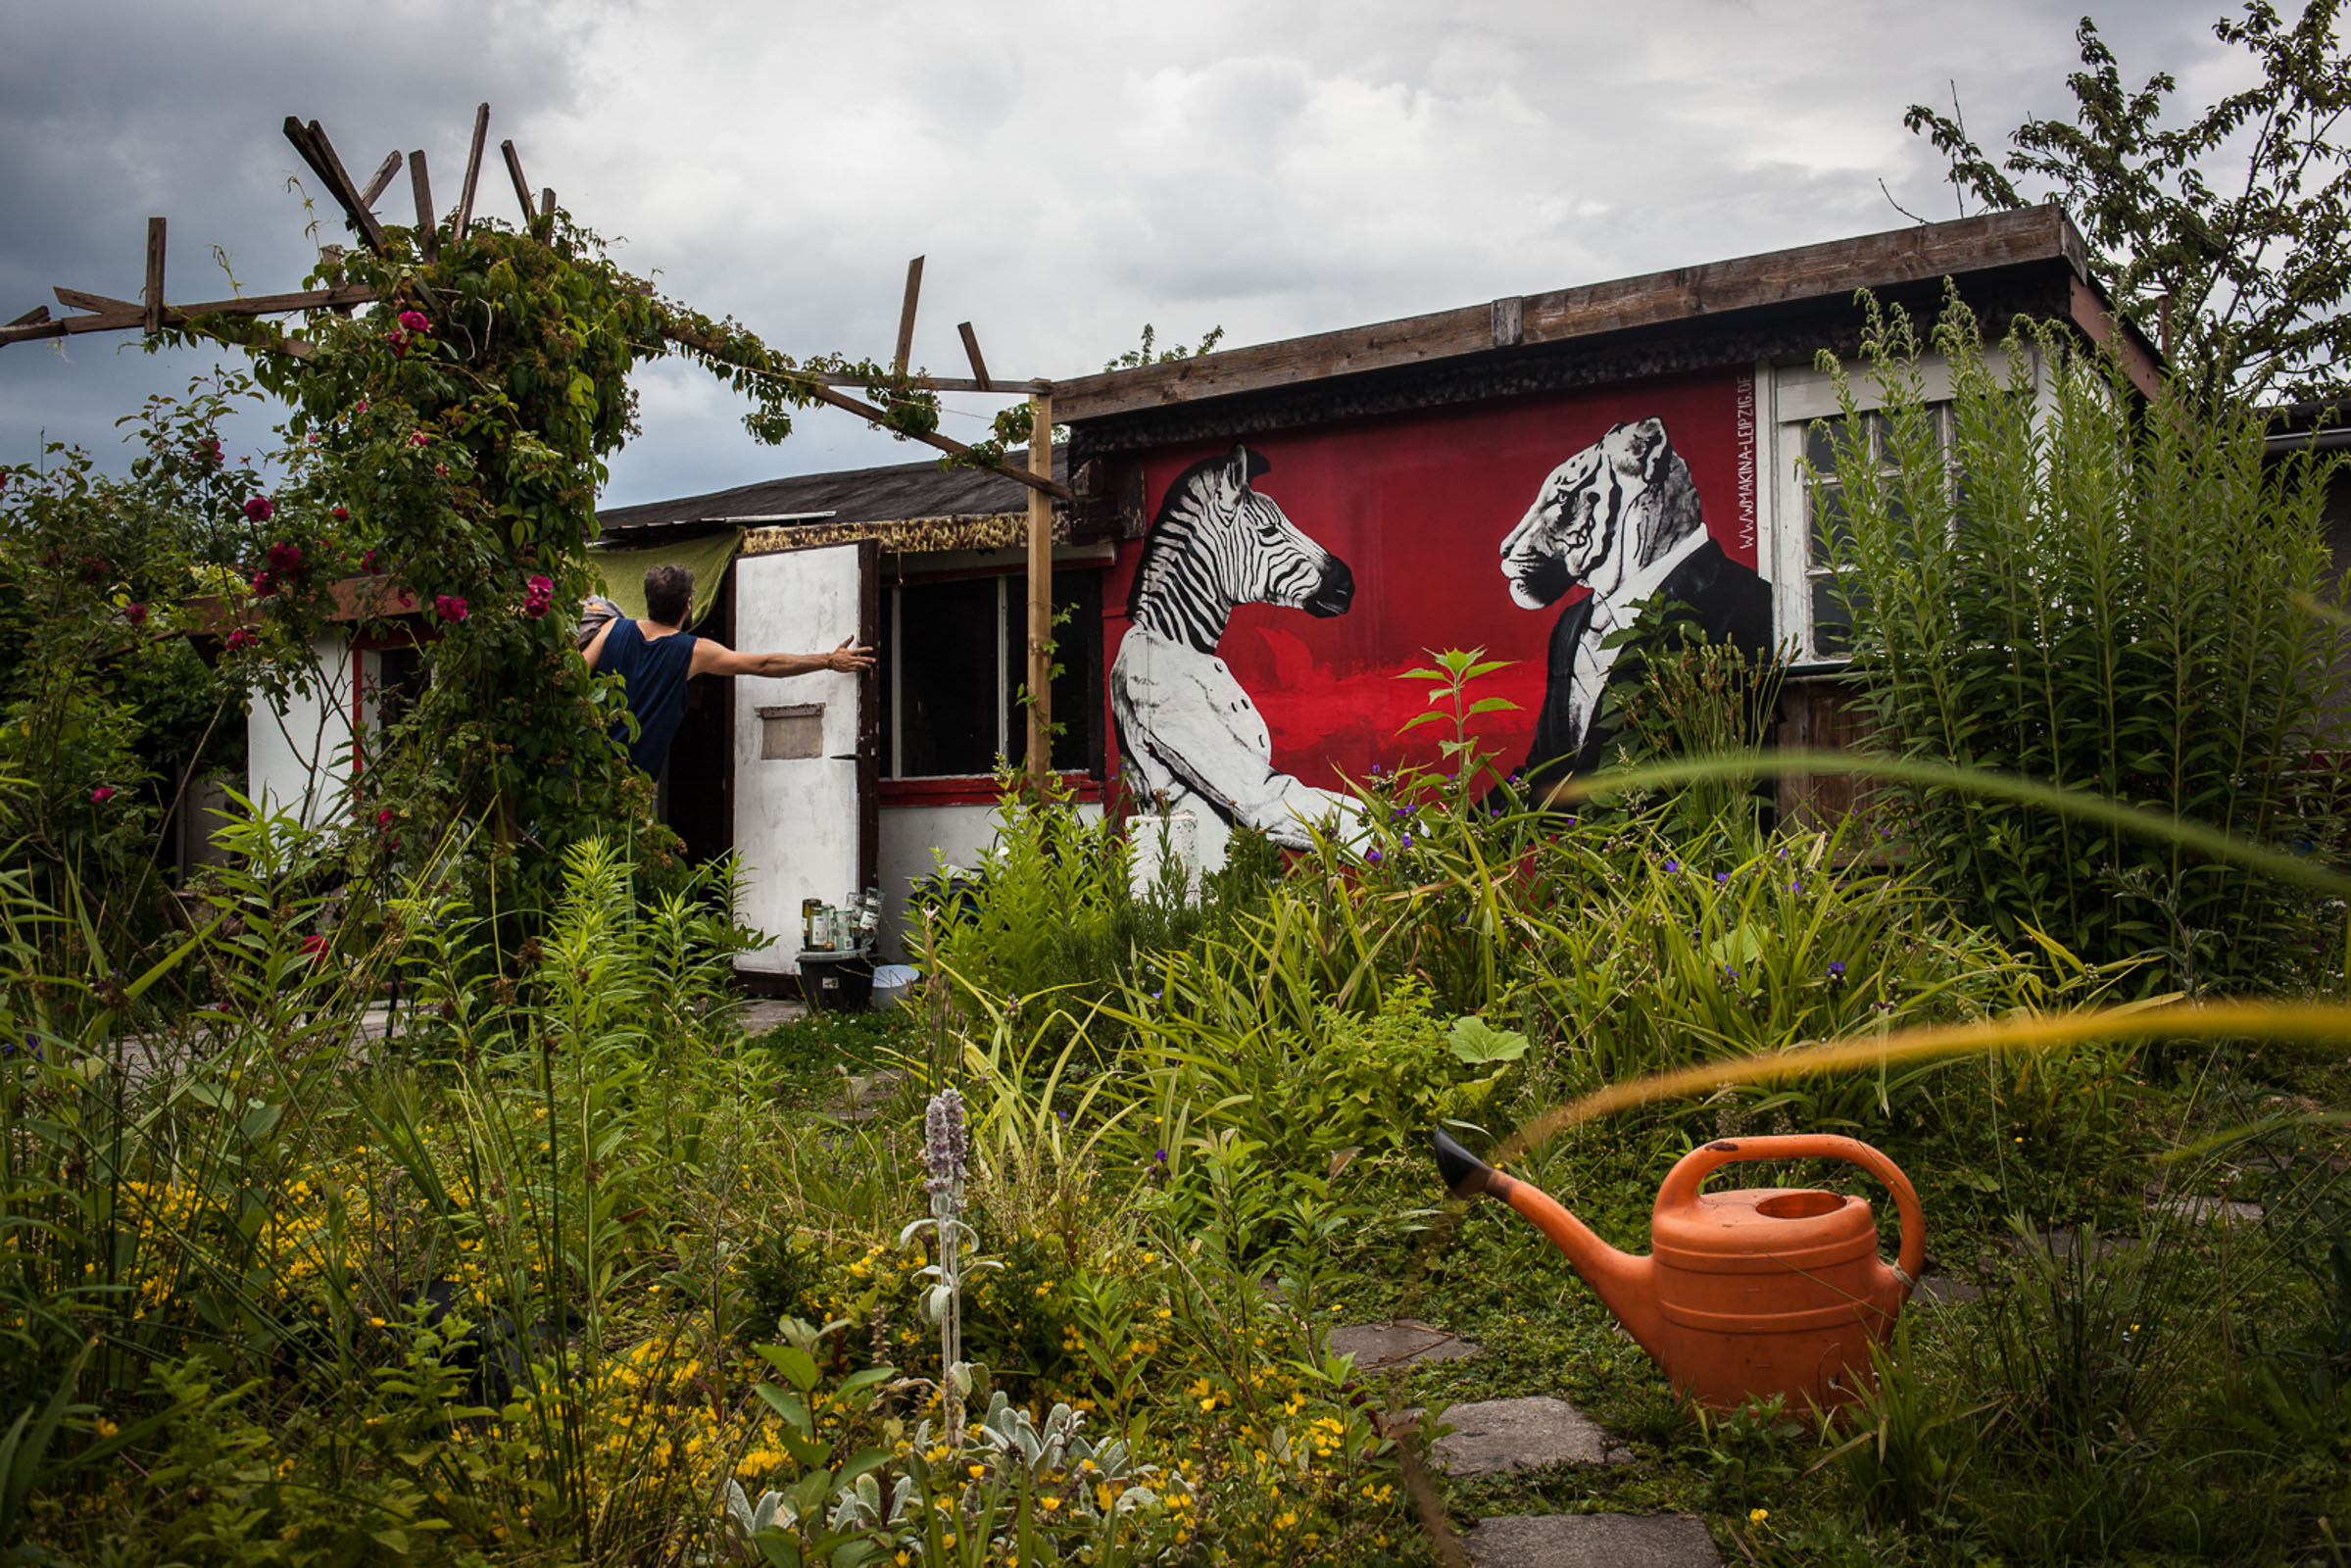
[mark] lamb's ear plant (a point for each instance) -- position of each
(2059, 580)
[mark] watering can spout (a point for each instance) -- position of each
(1624, 1282)
(1465, 1174)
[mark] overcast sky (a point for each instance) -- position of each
(1071, 170)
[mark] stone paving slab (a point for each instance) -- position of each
(1404, 1341)
(1592, 1540)
(2200, 1211)
(1491, 1436)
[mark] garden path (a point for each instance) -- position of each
(1491, 1436)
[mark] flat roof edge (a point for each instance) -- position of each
(1917, 253)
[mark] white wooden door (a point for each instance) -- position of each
(805, 764)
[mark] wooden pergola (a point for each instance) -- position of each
(150, 314)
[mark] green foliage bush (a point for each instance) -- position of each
(2101, 596)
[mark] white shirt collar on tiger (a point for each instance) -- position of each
(1612, 610)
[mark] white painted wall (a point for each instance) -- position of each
(299, 762)
(796, 820)
(909, 835)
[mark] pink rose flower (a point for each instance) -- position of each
(264, 584)
(285, 559)
(360, 406)
(417, 440)
(241, 638)
(136, 614)
(449, 607)
(102, 793)
(341, 514)
(258, 509)
(384, 818)
(415, 322)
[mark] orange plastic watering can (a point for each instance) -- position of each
(1747, 1293)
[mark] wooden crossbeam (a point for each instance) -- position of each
(106, 314)
(428, 227)
(465, 204)
(513, 170)
(152, 317)
(905, 318)
(824, 393)
(317, 152)
(117, 315)
(75, 299)
(971, 351)
(382, 177)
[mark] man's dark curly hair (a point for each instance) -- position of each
(668, 594)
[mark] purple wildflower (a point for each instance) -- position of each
(945, 1144)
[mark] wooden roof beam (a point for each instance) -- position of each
(1833, 270)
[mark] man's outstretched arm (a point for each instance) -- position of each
(712, 660)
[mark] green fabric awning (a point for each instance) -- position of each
(705, 556)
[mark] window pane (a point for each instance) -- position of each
(1831, 621)
(1077, 696)
(1831, 526)
(947, 678)
(1820, 443)
(1881, 435)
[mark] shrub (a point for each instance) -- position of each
(2100, 594)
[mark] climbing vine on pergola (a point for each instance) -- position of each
(456, 386)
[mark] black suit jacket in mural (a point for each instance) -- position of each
(1726, 601)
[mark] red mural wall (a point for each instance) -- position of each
(1418, 508)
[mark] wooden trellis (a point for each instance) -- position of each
(150, 314)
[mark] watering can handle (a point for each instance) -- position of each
(1682, 1183)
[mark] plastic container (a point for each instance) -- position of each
(892, 983)
(836, 982)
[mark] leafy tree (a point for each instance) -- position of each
(2227, 238)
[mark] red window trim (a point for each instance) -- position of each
(980, 790)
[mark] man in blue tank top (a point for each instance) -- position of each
(655, 659)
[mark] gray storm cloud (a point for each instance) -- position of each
(1071, 170)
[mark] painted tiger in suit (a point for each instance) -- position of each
(1622, 518)
(1190, 735)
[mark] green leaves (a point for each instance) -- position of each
(2222, 235)
(2104, 603)
(1478, 1044)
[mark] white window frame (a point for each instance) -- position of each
(1794, 396)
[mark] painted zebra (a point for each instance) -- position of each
(1191, 737)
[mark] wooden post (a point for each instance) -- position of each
(905, 315)
(428, 227)
(513, 168)
(155, 274)
(1041, 593)
(971, 351)
(382, 177)
(464, 201)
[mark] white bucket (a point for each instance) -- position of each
(892, 983)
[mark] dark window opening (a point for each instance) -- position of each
(953, 659)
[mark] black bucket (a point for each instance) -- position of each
(837, 982)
